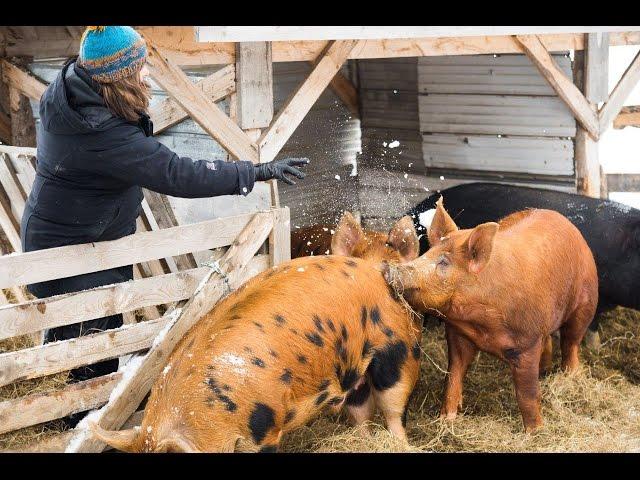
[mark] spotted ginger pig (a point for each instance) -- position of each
(269, 357)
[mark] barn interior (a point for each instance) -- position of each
(387, 118)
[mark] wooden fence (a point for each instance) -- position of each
(165, 284)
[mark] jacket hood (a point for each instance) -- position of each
(71, 104)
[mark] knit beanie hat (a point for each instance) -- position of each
(111, 53)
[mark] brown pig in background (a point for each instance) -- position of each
(295, 339)
(503, 288)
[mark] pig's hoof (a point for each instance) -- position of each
(449, 416)
(592, 340)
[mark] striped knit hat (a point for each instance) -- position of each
(111, 53)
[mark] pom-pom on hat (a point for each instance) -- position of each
(111, 53)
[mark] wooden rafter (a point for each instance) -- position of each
(625, 85)
(25, 83)
(303, 98)
(216, 86)
(200, 107)
(212, 288)
(345, 90)
(564, 87)
(628, 117)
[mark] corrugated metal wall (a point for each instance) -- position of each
(494, 114)
(328, 136)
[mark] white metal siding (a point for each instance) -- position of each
(494, 114)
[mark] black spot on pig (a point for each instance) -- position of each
(363, 316)
(375, 315)
(357, 397)
(388, 332)
(350, 263)
(345, 273)
(415, 350)
(318, 323)
(268, 449)
(314, 338)
(324, 385)
(226, 388)
(330, 324)
(228, 403)
(286, 376)
(348, 379)
(280, 320)
(335, 400)
(294, 331)
(341, 350)
(273, 354)
(321, 398)
(289, 416)
(261, 420)
(366, 348)
(259, 325)
(302, 359)
(319, 267)
(385, 365)
(344, 333)
(258, 362)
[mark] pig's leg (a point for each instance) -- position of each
(461, 354)
(525, 368)
(571, 334)
(361, 404)
(546, 358)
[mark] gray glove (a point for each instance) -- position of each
(278, 168)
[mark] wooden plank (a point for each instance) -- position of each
(61, 262)
(201, 108)
(623, 88)
(280, 238)
(596, 67)
(165, 217)
(14, 151)
(39, 408)
(571, 95)
(67, 354)
(12, 187)
(303, 99)
(623, 182)
(23, 81)
(216, 86)
(57, 443)
(254, 84)
(8, 223)
(106, 300)
(150, 312)
(344, 89)
(628, 117)
(272, 33)
(137, 385)
(5, 127)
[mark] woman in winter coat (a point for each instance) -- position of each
(96, 151)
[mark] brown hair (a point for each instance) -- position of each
(127, 98)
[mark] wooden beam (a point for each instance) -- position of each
(201, 108)
(628, 117)
(5, 128)
(254, 84)
(38, 408)
(625, 85)
(216, 86)
(303, 99)
(12, 187)
(270, 33)
(43, 48)
(134, 388)
(69, 308)
(570, 94)
(623, 182)
(27, 84)
(67, 261)
(596, 68)
(280, 238)
(345, 90)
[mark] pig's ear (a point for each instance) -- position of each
(441, 225)
(123, 440)
(176, 444)
(403, 238)
(348, 234)
(480, 244)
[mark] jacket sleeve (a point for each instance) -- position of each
(146, 162)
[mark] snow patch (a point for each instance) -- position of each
(425, 218)
(394, 144)
(337, 177)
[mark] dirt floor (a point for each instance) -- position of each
(594, 410)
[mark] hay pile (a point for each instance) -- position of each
(594, 410)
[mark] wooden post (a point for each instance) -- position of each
(592, 76)
(254, 94)
(213, 287)
(23, 126)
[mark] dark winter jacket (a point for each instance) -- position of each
(91, 166)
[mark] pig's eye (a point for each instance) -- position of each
(443, 261)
